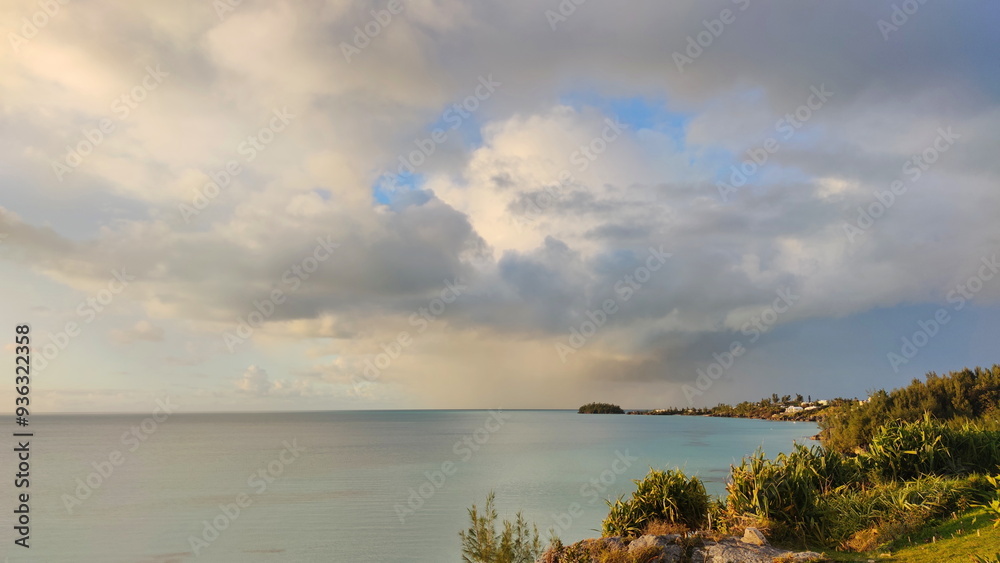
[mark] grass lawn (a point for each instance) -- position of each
(956, 541)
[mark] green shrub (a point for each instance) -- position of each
(822, 496)
(784, 493)
(992, 504)
(482, 543)
(908, 450)
(624, 519)
(863, 519)
(668, 496)
(969, 394)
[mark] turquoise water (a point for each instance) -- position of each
(344, 486)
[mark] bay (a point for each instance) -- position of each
(350, 486)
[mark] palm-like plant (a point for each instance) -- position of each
(993, 506)
(668, 496)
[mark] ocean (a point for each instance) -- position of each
(352, 486)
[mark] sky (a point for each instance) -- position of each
(312, 205)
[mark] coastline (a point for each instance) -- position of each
(782, 417)
(770, 413)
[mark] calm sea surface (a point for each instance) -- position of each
(342, 486)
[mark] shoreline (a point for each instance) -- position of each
(785, 408)
(774, 418)
(778, 417)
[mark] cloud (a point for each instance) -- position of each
(538, 199)
(141, 331)
(255, 381)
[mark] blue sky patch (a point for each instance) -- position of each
(388, 188)
(636, 112)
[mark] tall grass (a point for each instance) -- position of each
(668, 496)
(909, 450)
(992, 502)
(784, 493)
(860, 519)
(898, 483)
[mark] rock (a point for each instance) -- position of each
(658, 541)
(616, 542)
(667, 544)
(731, 550)
(803, 557)
(613, 542)
(753, 536)
(728, 550)
(735, 551)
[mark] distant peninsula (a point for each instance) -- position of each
(788, 408)
(600, 408)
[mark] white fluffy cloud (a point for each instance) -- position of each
(510, 203)
(255, 381)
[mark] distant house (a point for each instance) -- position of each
(811, 408)
(794, 409)
(823, 402)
